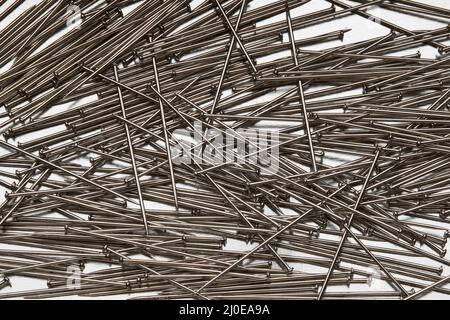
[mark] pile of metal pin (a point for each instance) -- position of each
(97, 204)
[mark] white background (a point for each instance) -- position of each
(361, 29)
